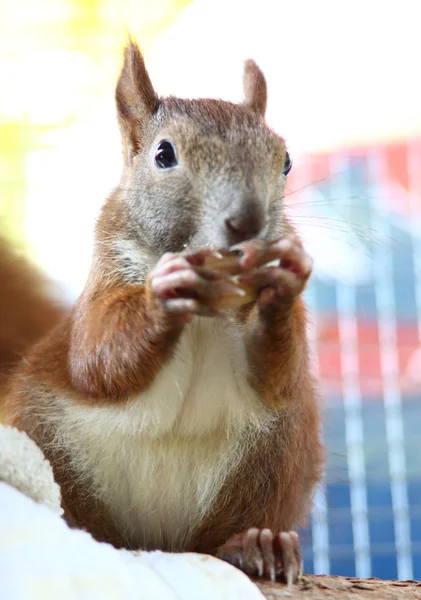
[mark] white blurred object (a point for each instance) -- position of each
(23, 466)
(41, 557)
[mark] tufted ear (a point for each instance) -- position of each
(255, 88)
(136, 99)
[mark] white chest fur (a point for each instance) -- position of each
(159, 460)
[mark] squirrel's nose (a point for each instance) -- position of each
(242, 227)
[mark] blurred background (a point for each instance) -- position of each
(344, 91)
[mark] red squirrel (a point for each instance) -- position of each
(167, 426)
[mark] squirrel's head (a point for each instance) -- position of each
(198, 172)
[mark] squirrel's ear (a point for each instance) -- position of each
(135, 98)
(255, 88)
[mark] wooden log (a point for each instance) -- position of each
(324, 587)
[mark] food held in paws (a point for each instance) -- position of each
(229, 262)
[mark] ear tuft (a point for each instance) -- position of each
(255, 87)
(135, 96)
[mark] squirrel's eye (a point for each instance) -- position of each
(287, 164)
(165, 157)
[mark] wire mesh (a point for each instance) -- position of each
(366, 519)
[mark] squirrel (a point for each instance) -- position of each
(27, 310)
(172, 423)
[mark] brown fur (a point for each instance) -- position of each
(255, 89)
(95, 372)
(117, 338)
(26, 310)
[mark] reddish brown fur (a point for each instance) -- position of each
(255, 88)
(94, 369)
(26, 310)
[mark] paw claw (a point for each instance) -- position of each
(259, 553)
(290, 577)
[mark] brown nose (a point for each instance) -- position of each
(243, 227)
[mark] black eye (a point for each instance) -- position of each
(287, 164)
(165, 157)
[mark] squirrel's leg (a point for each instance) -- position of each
(123, 335)
(267, 496)
(276, 326)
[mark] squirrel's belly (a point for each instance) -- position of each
(163, 494)
(159, 461)
(158, 489)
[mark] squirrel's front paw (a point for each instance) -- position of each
(176, 286)
(284, 280)
(260, 553)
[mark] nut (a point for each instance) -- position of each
(228, 262)
(234, 300)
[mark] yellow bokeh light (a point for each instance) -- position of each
(58, 63)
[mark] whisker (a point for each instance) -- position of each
(326, 200)
(310, 219)
(366, 251)
(316, 183)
